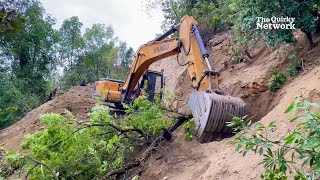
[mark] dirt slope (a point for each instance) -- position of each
(218, 160)
(77, 100)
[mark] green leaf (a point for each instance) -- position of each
(296, 118)
(261, 151)
(260, 126)
(293, 106)
(315, 105)
(267, 145)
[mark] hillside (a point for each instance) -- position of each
(248, 80)
(77, 100)
(180, 159)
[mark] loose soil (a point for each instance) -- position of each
(180, 159)
(77, 100)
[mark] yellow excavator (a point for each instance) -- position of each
(211, 110)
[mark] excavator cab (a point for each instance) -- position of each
(109, 90)
(154, 82)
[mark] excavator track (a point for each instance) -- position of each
(211, 112)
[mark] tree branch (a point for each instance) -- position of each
(40, 163)
(137, 162)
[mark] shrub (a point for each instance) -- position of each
(281, 155)
(294, 68)
(188, 127)
(276, 81)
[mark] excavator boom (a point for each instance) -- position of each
(211, 111)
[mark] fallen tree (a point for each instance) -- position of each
(139, 161)
(100, 147)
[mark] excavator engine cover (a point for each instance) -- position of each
(212, 111)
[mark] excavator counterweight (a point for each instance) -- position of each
(211, 111)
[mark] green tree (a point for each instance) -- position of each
(100, 51)
(71, 41)
(125, 54)
(123, 61)
(304, 12)
(213, 16)
(10, 18)
(27, 56)
(30, 51)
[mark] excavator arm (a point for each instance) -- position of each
(191, 45)
(210, 110)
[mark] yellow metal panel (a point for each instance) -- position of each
(147, 55)
(108, 90)
(197, 64)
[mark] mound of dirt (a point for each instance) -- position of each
(249, 80)
(77, 100)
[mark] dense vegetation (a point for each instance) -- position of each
(69, 150)
(240, 16)
(33, 56)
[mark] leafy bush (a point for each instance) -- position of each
(67, 150)
(294, 68)
(188, 127)
(281, 155)
(146, 116)
(276, 81)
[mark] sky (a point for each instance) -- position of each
(129, 19)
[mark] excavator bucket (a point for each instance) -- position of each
(211, 112)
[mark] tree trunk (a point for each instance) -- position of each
(309, 37)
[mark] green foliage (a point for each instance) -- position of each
(188, 127)
(146, 116)
(90, 56)
(68, 150)
(276, 81)
(274, 175)
(213, 16)
(26, 59)
(7, 116)
(14, 103)
(72, 153)
(71, 41)
(281, 156)
(32, 53)
(10, 17)
(295, 66)
(304, 13)
(8, 163)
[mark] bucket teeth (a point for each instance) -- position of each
(211, 112)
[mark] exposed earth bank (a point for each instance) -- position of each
(248, 79)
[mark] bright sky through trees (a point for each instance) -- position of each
(128, 17)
